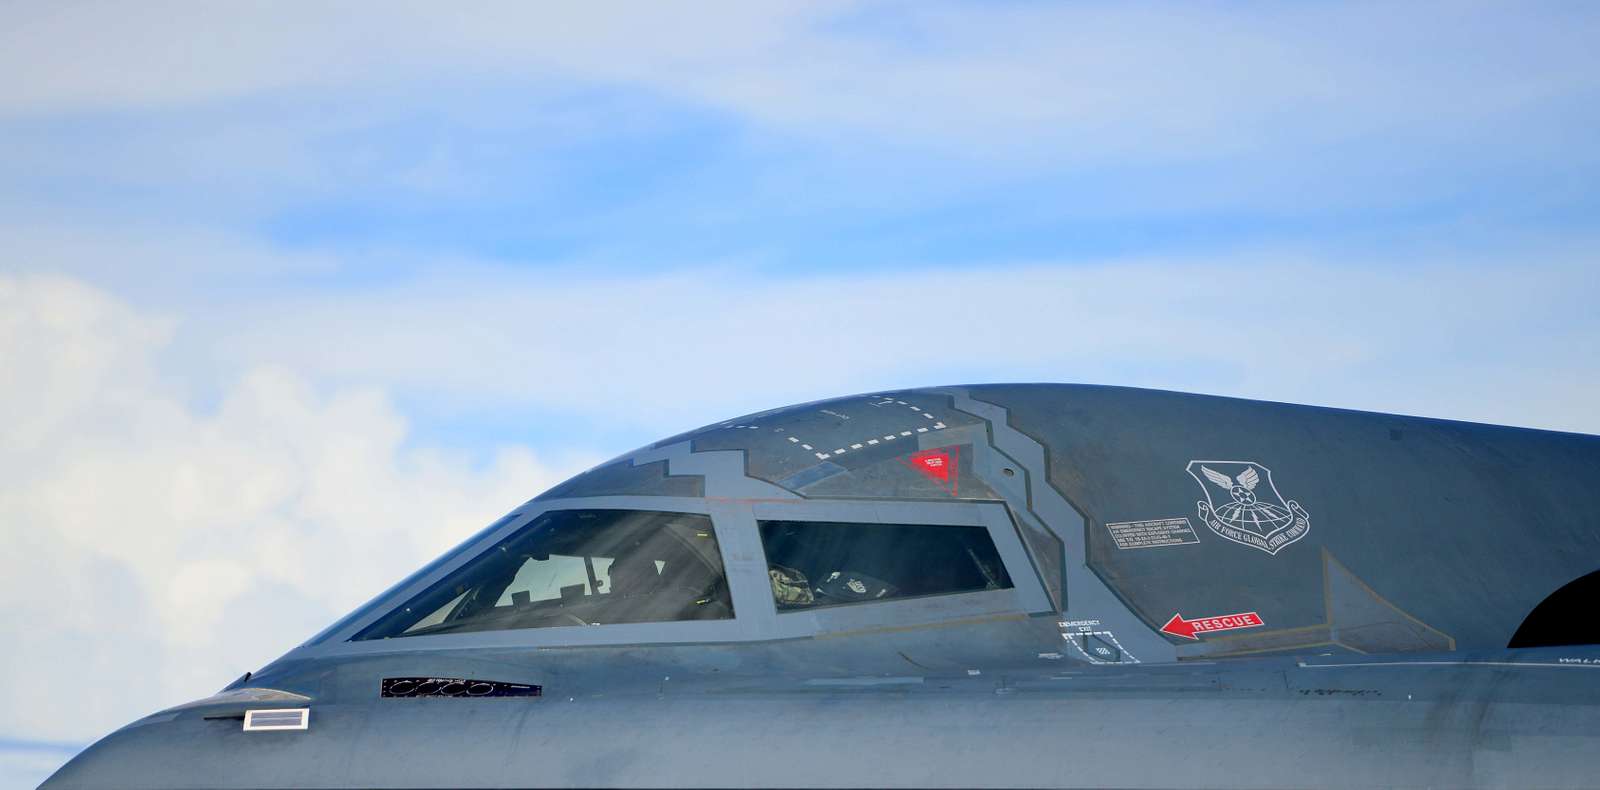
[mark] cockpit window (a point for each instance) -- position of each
(576, 567)
(813, 564)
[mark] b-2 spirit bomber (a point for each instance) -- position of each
(1000, 585)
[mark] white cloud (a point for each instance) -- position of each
(552, 130)
(1448, 336)
(1084, 82)
(118, 58)
(164, 549)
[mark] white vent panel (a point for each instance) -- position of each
(277, 719)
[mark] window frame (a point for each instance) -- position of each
(500, 612)
(1025, 596)
(744, 563)
(336, 640)
(871, 525)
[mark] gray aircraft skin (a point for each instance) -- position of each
(995, 585)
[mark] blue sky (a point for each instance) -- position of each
(280, 276)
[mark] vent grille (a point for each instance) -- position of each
(279, 719)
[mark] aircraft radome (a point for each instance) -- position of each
(998, 585)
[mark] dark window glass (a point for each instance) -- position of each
(576, 567)
(813, 564)
(1565, 618)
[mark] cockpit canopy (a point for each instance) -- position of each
(598, 566)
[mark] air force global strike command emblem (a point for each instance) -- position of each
(1242, 505)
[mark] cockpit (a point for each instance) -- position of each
(613, 566)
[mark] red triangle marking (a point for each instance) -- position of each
(938, 464)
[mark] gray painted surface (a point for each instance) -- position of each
(1404, 555)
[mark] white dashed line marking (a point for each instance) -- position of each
(888, 437)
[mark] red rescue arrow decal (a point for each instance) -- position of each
(1187, 629)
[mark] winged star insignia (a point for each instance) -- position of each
(1253, 514)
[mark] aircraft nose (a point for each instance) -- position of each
(206, 744)
(106, 764)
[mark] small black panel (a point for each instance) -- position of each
(454, 687)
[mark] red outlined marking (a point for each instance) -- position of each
(939, 465)
(1187, 629)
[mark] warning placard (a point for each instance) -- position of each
(1152, 533)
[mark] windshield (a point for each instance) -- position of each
(576, 567)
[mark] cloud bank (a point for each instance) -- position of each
(166, 549)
